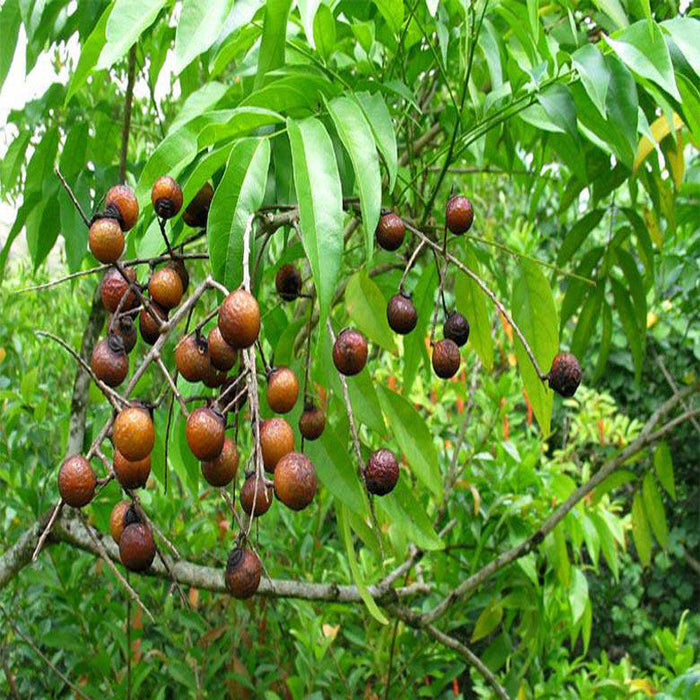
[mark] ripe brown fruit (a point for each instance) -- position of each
(565, 374)
(116, 520)
(114, 287)
(165, 287)
(149, 327)
(350, 352)
(133, 433)
(222, 470)
(126, 330)
(446, 358)
(122, 203)
(179, 266)
(166, 197)
(136, 547)
(205, 433)
(390, 231)
(76, 481)
(213, 378)
(197, 210)
(295, 480)
(456, 329)
(288, 282)
(132, 475)
(312, 422)
(106, 240)
(276, 440)
(243, 570)
(263, 500)
(459, 214)
(223, 357)
(282, 389)
(109, 361)
(239, 319)
(401, 314)
(191, 358)
(381, 472)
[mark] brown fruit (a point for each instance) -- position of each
(456, 329)
(109, 362)
(239, 319)
(205, 433)
(459, 214)
(243, 570)
(197, 210)
(114, 287)
(312, 422)
(446, 358)
(401, 313)
(106, 240)
(288, 282)
(276, 440)
(381, 472)
(282, 389)
(121, 202)
(116, 520)
(165, 287)
(212, 377)
(149, 327)
(179, 266)
(295, 480)
(133, 433)
(166, 197)
(263, 501)
(221, 354)
(136, 547)
(350, 352)
(390, 231)
(191, 358)
(126, 330)
(221, 471)
(132, 475)
(565, 374)
(76, 481)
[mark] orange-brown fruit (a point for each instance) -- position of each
(121, 202)
(446, 358)
(191, 358)
(222, 470)
(221, 354)
(288, 282)
(195, 215)
(295, 480)
(205, 433)
(459, 214)
(282, 389)
(133, 433)
(456, 328)
(132, 475)
(165, 287)
(116, 520)
(350, 352)
(212, 377)
(401, 313)
(239, 319)
(381, 472)
(149, 327)
(178, 264)
(312, 422)
(276, 440)
(243, 570)
(136, 547)
(390, 231)
(126, 330)
(76, 481)
(565, 374)
(114, 287)
(106, 240)
(109, 361)
(166, 197)
(263, 500)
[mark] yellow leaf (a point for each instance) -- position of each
(652, 319)
(330, 631)
(676, 162)
(653, 225)
(640, 685)
(3, 353)
(660, 129)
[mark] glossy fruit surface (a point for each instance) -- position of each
(456, 329)
(132, 475)
(113, 287)
(446, 358)
(205, 433)
(149, 327)
(243, 571)
(390, 231)
(197, 211)
(106, 240)
(312, 422)
(263, 500)
(276, 440)
(179, 266)
(125, 204)
(76, 481)
(350, 352)
(221, 354)
(401, 314)
(282, 389)
(116, 520)
(133, 433)
(565, 374)
(288, 282)
(239, 319)
(166, 197)
(222, 470)
(381, 472)
(136, 547)
(126, 330)
(165, 287)
(109, 361)
(295, 481)
(459, 214)
(191, 358)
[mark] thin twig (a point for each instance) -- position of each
(73, 198)
(42, 538)
(128, 101)
(171, 382)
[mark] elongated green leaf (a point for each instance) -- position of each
(31, 201)
(684, 32)
(198, 102)
(297, 95)
(379, 119)
(489, 618)
(367, 308)
(73, 229)
(640, 530)
(560, 108)
(223, 124)
(614, 481)
(198, 28)
(41, 239)
(318, 189)
(594, 74)
(614, 10)
(324, 31)
(392, 11)
(663, 465)
(414, 343)
(592, 539)
(635, 284)
(9, 28)
(274, 36)
(654, 509)
(307, 11)
(558, 555)
(238, 196)
(578, 593)
(607, 543)
(625, 312)
(578, 234)
(11, 165)
(587, 321)
(605, 343)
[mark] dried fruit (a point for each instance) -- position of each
(459, 214)
(106, 240)
(243, 570)
(191, 358)
(276, 440)
(221, 354)
(116, 520)
(456, 329)
(263, 500)
(121, 202)
(446, 358)
(401, 314)
(149, 327)
(136, 547)
(350, 352)
(165, 287)
(222, 470)
(288, 282)
(295, 480)
(132, 475)
(166, 197)
(565, 374)
(113, 287)
(282, 389)
(312, 422)
(390, 231)
(381, 472)
(126, 330)
(76, 481)
(133, 433)
(197, 210)
(205, 433)
(239, 319)
(110, 362)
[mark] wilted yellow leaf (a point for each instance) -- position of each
(330, 631)
(660, 129)
(640, 685)
(653, 225)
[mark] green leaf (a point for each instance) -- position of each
(635, 283)
(11, 164)
(640, 531)
(558, 555)
(197, 29)
(324, 31)
(614, 10)
(238, 196)
(73, 229)
(489, 618)
(30, 202)
(197, 103)
(663, 464)
(307, 12)
(366, 307)
(578, 594)
(685, 31)
(10, 20)
(654, 509)
(72, 161)
(578, 234)
(587, 321)
(318, 189)
(618, 478)
(392, 11)
(592, 539)
(202, 172)
(377, 113)
(356, 135)
(28, 383)
(414, 439)
(274, 38)
(534, 311)
(605, 344)
(607, 544)
(594, 74)
(297, 95)
(560, 108)
(41, 239)
(414, 343)
(625, 312)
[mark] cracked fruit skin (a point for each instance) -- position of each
(295, 481)
(381, 472)
(134, 434)
(150, 330)
(205, 434)
(401, 314)
(239, 319)
(243, 571)
(76, 481)
(136, 547)
(282, 389)
(263, 500)
(565, 374)
(350, 352)
(288, 282)
(456, 329)
(109, 361)
(166, 197)
(113, 287)
(197, 211)
(165, 288)
(390, 231)
(222, 470)
(106, 240)
(116, 520)
(312, 422)
(132, 475)
(459, 214)
(276, 440)
(446, 358)
(223, 357)
(191, 358)
(121, 201)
